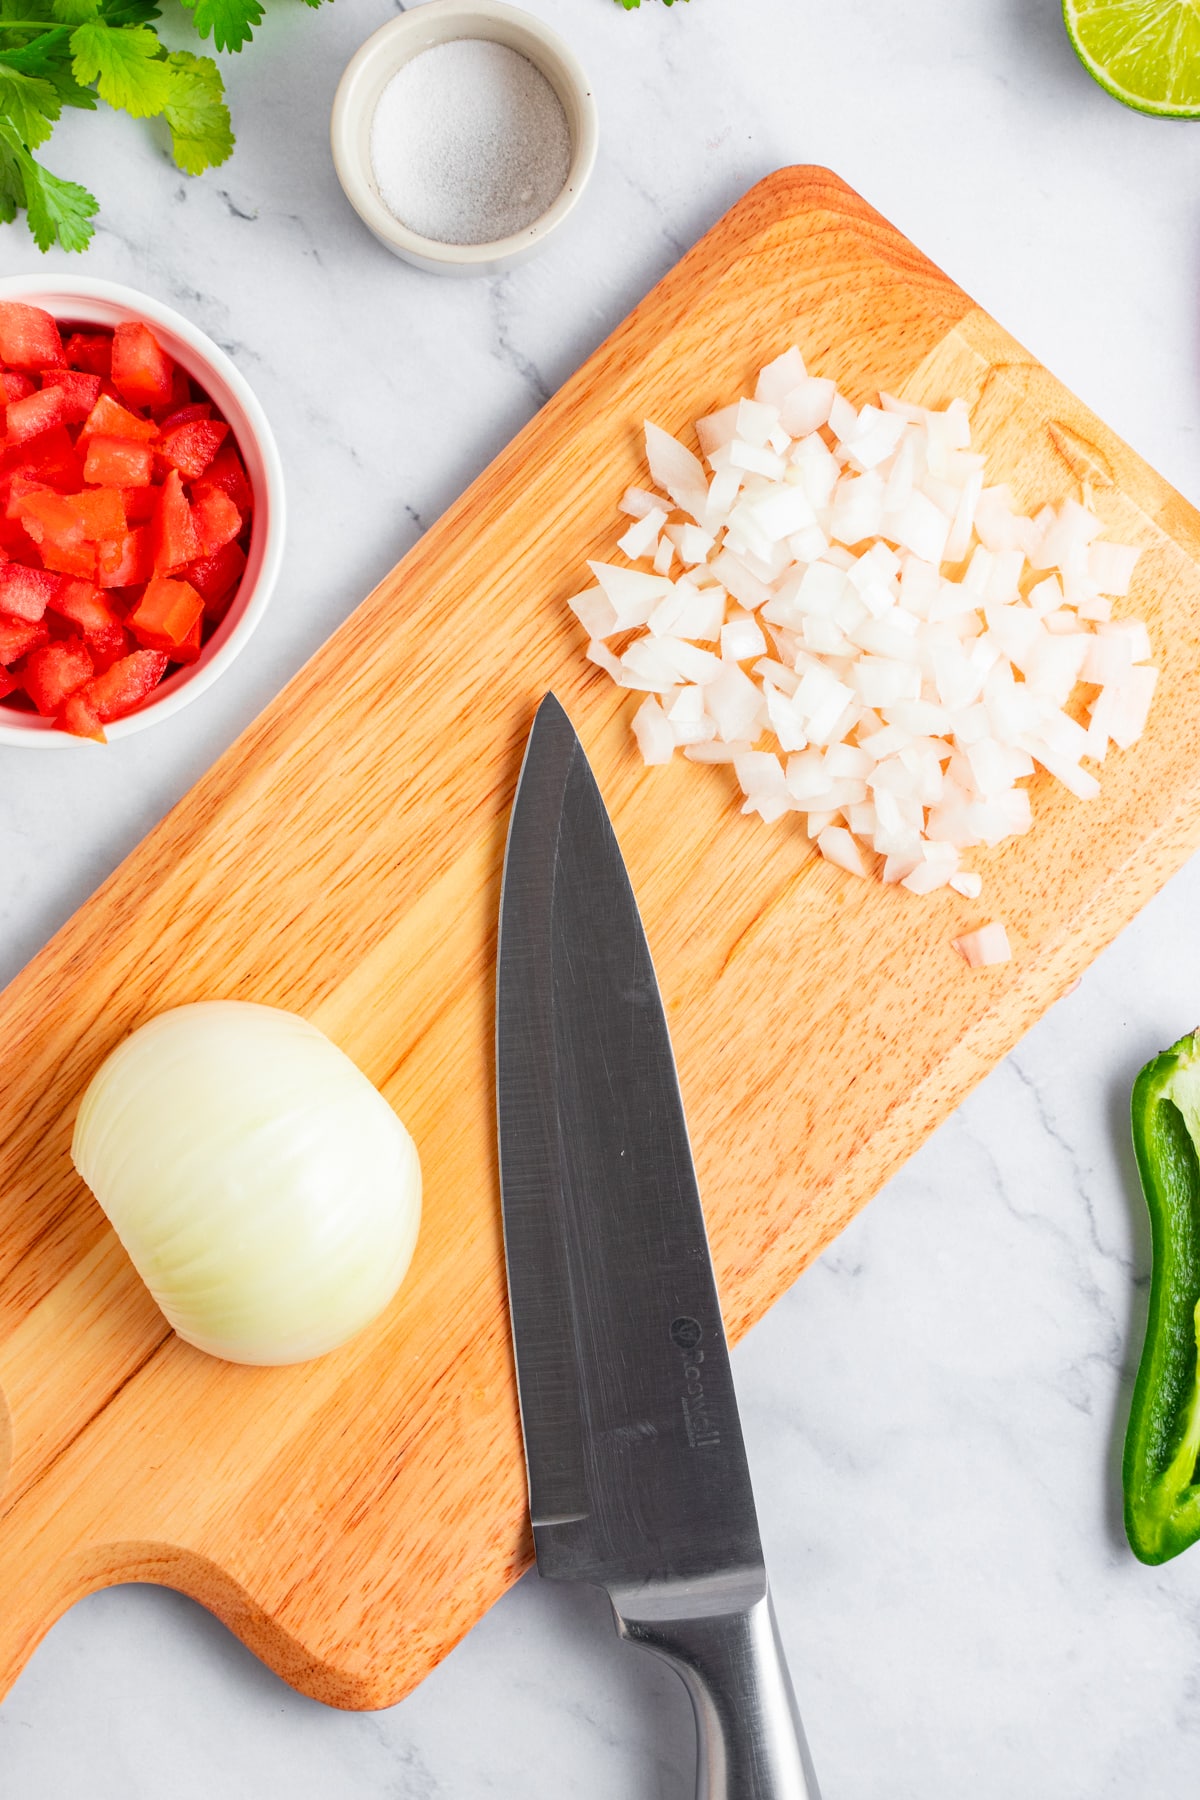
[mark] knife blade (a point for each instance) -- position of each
(638, 1480)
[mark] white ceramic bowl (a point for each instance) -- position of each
(79, 300)
(396, 43)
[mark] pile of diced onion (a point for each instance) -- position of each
(839, 607)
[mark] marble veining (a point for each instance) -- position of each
(934, 1414)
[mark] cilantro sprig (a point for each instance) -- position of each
(59, 53)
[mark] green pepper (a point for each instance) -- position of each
(1162, 1445)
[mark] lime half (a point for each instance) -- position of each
(1144, 52)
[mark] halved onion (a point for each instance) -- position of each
(266, 1192)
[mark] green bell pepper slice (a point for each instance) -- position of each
(1162, 1444)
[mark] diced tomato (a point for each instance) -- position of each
(51, 458)
(181, 394)
(55, 671)
(108, 418)
(123, 500)
(113, 693)
(80, 720)
(126, 598)
(54, 523)
(19, 484)
(141, 503)
(29, 337)
(217, 577)
(85, 606)
(118, 462)
(195, 409)
(65, 399)
(25, 593)
(82, 392)
(14, 386)
(227, 472)
(189, 650)
(116, 692)
(109, 646)
(15, 486)
(190, 447)
(142, 371)
(18, 637)
(217, 521)
(90, 350)
(37, 412)
(59, 465)
(125, 561)
(89, 516)
(68, 556)
(173, 533)
(166, 613)
(102, 510)
(16, 543)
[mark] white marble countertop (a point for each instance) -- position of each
(934, 1413)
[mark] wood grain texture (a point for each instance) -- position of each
(352, 1518)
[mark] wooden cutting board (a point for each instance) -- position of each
(352, 1518)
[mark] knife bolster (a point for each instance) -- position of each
(721, 1638)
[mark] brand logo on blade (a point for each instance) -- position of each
(697, 1418)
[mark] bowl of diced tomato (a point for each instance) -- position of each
(141, 511)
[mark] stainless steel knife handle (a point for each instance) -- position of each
(751, 1741)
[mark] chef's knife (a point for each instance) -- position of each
(637, 1472)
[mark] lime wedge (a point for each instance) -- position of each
(1146, 53)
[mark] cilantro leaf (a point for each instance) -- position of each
(59, 211)
(24, 10)
(29, 103)
(56, 53)
(231, 22)
(127, 64)
(49, 56)
(12, 188)
(41, 53)
(201, 135)
(129, 12)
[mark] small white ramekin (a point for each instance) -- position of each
(394, 44)
(80, 300)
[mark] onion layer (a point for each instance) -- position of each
(265, 1191)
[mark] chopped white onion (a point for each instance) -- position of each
(780, 378)
(642, 535)
(655, 737)
(632, 594)
(741, 639)
(599, 653)
(595, 612)
(837, 846)
(916, 643)
(987, 945)
(676, 470)
(636, 502)
(664, 556)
